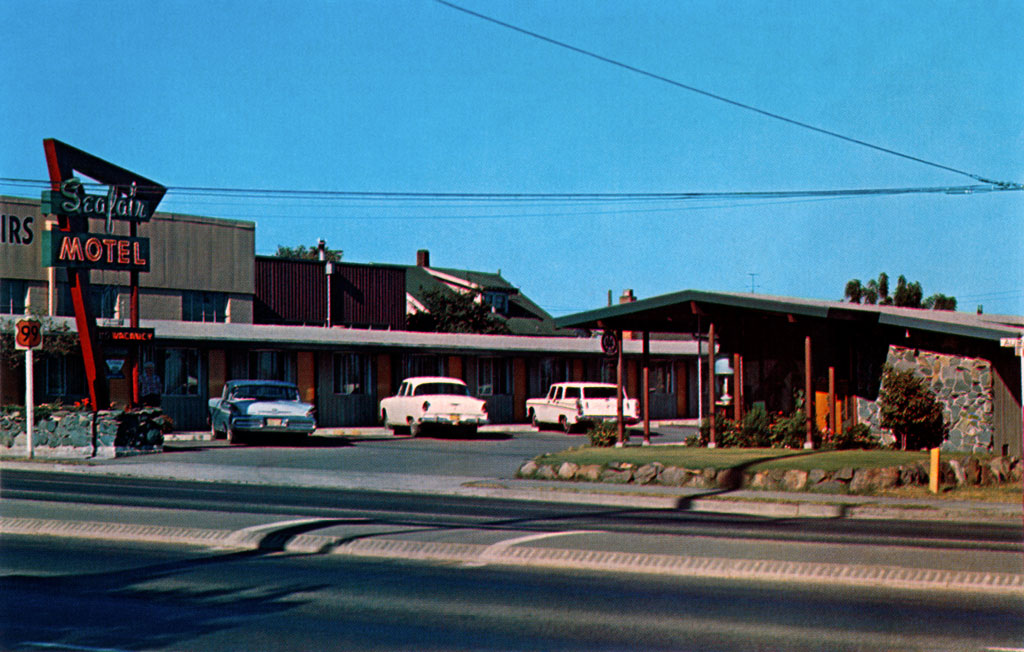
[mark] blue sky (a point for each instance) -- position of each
(413, 96)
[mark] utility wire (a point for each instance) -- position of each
(720, 98)
(520, 198)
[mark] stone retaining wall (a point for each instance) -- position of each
(970, 471)
(72, 434)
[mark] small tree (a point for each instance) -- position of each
(911, 410)
(302, 252)
(455, 312)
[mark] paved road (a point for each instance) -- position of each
(62, 595)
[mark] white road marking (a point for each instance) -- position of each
(492, 552)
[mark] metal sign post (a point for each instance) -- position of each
(28, 335)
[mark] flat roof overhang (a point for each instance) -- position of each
(690, 311)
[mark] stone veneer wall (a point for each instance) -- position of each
(962, 384)
(70, 434)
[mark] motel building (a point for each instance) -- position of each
(218, 312)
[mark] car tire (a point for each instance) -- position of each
(234, 437)
(415, 429)
(533, 420)
(563, 421)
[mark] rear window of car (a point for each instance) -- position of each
(572, 392)
(266, 393)
(600, 392)
(441, 388)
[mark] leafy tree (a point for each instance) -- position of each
(455, 312)
(940, 302)
(911, 410)
(301, 252)
(907, 295)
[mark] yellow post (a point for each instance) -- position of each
(933, 476)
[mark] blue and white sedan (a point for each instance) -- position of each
(253, 406)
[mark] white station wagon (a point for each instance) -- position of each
(570, 404)
(432, 401)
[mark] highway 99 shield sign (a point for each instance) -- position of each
(28, 334)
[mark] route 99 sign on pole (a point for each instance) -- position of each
(28, 335)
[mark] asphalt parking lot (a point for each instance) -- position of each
(495, 452)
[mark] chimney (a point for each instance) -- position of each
(423, 258)
(627, 297)
(321, 250)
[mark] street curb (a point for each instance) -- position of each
(477, 555)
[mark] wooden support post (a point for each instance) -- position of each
(808, 392)
(833, 427)
(712, 442)
(737, 389)
(647, 388)
(619, 373)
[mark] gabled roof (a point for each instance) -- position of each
(524, 317)
(677, 312)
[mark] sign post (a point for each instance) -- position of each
(28, 335)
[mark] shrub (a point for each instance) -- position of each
(911, 410)
(604, 434)
(854, 436)
(756, 427)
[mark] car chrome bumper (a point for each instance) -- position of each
(453, 420)
(302, 425)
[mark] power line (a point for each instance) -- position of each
(544, 198)
(720, 98)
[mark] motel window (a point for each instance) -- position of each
(181, 372)
(663, 377)
(204, 306)
(272, 365)
(65, 376)
(351, 373)
(493, 378)
(425, 365)
(12, 296)
(102, 299)
(553, 371)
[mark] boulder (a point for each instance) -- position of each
(545, 472)
(816, 476)
(973, 469)
(567, 471)
(527, 470)
(648, 473)
(960, 473)
(864, 480)
(888, 477)
(674, 476)
(617, 475)
(844, 474)
(589, 472)
(795, 480)
(729, 479)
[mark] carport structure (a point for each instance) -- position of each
(833, 352)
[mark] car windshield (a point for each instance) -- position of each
(600, 392)
(266, 393)
(441, 388)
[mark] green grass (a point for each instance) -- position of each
(751, 459)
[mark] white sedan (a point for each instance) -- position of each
(432, 401)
